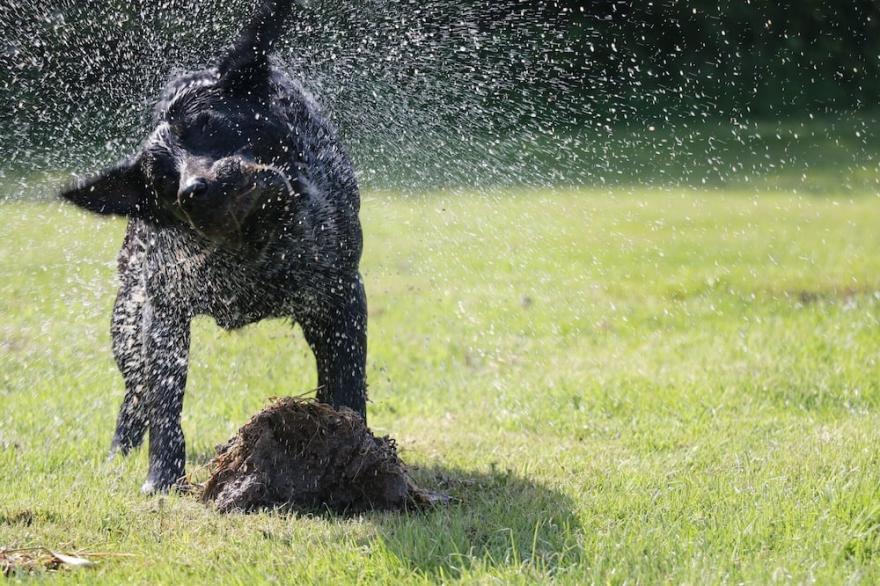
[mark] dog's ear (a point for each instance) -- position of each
(247, 64)
(118, 190)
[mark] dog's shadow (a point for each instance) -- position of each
(495, 519)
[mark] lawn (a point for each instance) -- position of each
(622, 386)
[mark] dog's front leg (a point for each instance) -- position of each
(128, 348)
(336, 330)
(166, 345)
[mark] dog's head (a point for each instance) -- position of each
(218, 151)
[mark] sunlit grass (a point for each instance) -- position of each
(621, 385)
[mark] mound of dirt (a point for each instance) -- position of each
(305, 455)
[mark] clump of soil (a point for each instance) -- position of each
(305, 455)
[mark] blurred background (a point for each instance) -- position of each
(758, 94)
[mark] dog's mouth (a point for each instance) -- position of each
(231, 207)
(269, 190)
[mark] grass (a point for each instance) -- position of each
(621, 386)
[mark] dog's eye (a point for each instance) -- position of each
(208, 130)
(203, 121)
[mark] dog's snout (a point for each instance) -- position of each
(194, 188)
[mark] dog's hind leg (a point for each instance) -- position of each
(337, 334)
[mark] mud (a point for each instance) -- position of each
(304, 455)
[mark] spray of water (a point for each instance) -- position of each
(449, 93)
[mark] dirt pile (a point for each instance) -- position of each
(306, 455)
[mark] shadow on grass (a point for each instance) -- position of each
(496, 520)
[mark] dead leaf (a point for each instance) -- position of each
(72, 560)
(34, 559)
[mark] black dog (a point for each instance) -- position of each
(242, 206)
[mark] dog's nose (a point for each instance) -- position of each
(193, 189)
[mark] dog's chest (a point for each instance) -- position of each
(235, 295)
(207, 280)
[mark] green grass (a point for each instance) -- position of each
(623, 386)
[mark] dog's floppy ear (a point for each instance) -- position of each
(247, 64)
(121, 190)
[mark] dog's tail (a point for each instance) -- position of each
(248, 61)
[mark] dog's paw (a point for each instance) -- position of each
(163, 480)
(126, 439)
(117, 449)
(151, 487)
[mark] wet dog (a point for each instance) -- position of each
(242, 206)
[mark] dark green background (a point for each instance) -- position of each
(444, 92)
